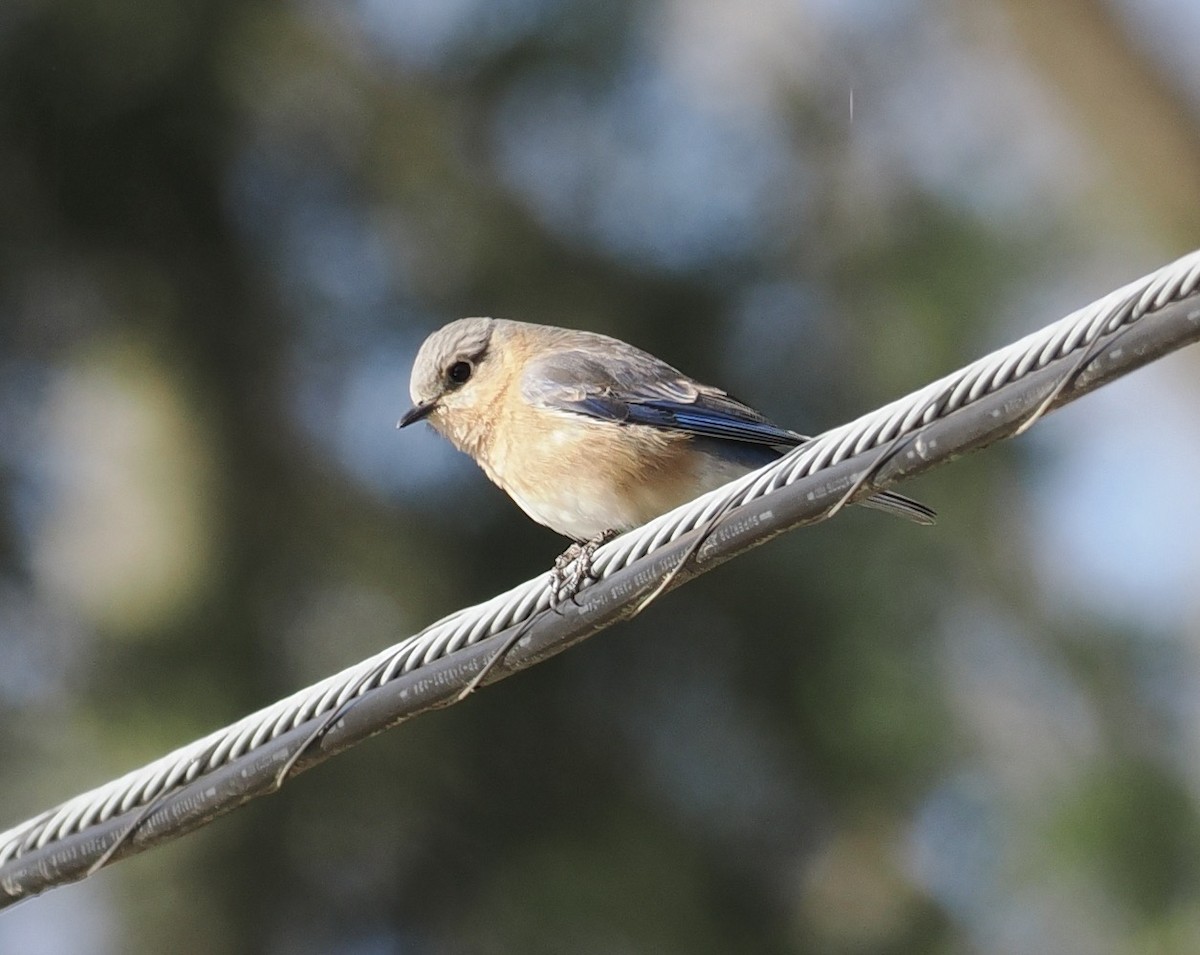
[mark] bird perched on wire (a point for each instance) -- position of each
(590, 435)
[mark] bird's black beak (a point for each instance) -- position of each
(416, 413)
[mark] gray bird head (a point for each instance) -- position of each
(446, 369)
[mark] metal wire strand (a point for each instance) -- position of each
(895, 429)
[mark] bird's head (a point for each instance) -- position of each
(450, 375)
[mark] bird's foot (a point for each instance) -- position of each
(573, 568)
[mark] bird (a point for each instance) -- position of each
(589, 435)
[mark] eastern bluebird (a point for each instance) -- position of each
(589, 435)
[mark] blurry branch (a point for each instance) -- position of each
(996, 397)
(1122, 100)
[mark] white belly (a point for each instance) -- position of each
(585, 505)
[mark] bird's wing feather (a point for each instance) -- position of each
(630, 386)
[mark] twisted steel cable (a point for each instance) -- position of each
(997, 396)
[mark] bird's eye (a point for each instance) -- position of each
(459, 372)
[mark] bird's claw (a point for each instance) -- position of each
(573, 569)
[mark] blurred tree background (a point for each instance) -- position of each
(225, 227)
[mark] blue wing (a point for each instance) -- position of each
(626, 385)
(700, 417)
